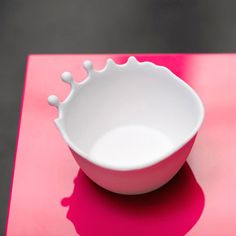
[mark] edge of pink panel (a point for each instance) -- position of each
(17, 142)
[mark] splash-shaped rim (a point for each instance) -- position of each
(68, 78)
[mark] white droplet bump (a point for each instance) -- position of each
(88, 65)
(53, 100)
(67, 77)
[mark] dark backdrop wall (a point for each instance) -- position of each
(90, 26)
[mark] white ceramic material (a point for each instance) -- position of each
(130, 127)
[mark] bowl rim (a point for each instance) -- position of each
(74, 86)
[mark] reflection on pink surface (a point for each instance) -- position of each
(171, 210)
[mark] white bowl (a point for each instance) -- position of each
(130, 127)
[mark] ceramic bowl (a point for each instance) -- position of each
(130, 127)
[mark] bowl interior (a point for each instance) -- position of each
(127, 117)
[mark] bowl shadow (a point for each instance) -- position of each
(171, 210)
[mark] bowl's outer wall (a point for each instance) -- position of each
(136, 181)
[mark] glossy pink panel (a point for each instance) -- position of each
(51, 196)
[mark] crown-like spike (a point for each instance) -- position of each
(88, 66)
(67, 77)
(132, 59)
(53, 101)
(110, 60)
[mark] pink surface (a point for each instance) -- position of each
(51, 196)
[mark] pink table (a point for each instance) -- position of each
(50, 196)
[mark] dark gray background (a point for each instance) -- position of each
(76, 26)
